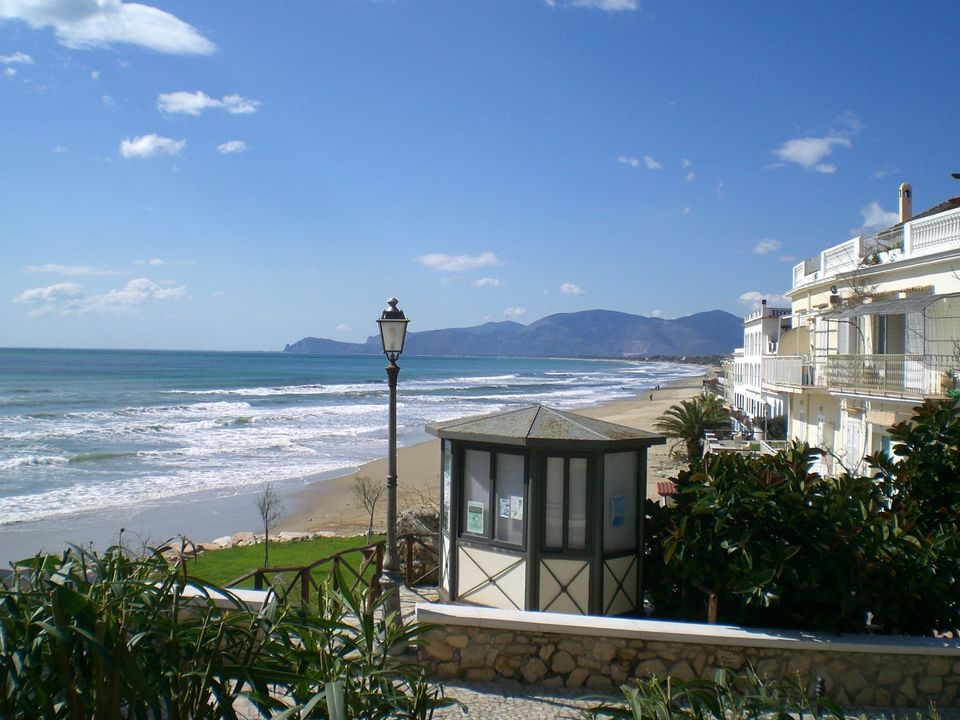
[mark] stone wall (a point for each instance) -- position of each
(602, 653)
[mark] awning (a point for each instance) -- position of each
(901, 306)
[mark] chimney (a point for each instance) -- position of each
(906, 202)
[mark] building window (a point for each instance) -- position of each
(494, 492)
(565, 516)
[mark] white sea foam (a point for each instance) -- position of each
(67, 457)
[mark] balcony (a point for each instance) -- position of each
(901, 376)
(919, 237)
(789, 371)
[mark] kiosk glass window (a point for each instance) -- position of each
(447, 485)
(494, 494)
(476, 493)
(577, 511)
(619, 501)
(509, 498)
(566, 503)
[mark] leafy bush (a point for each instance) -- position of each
(780, 546)
(87, 636)
(729, 696)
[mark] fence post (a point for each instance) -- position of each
(408, 575)
(305, 586)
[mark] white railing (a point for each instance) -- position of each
(912, 376)
(841, 258)
(933, 234)
(924, 236)
(789, 371)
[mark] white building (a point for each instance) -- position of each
(761, 338)
(876, 330)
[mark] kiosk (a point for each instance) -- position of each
(542, 510)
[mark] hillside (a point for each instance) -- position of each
(590, 333)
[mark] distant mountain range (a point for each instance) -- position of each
(591, 333)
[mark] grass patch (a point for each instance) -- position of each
(221, 566)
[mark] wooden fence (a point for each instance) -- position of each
(410, 546)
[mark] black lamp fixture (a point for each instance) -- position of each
(393, 333)
(393, 330)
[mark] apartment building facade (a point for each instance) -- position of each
(751, 400)
(875, 329)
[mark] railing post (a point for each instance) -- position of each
(408, 574)
(305, 586)
(336, 575)
(258, 581)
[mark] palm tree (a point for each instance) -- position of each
(690, 420)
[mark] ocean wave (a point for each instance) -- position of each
(32, 461)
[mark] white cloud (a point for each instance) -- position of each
(147, 146)
(55, 269)
(875, 216)
(753, 298)
(9, 72)
(810, 152)
(787, 258)
(658, 313)
(690, 176)
(84, 24)
(635, 162)
(138, 291)
(232, 146)
(605, 5)
(94, 74)
(17, 58)
(686, 210)
(571, 289)
(515, 312)
(68, 299)
(684, 163)
(45, 299)
(160, 262)
(487, 282)
(343, 327)
(187, 103)
(765, 247)
(108, 102)
(456, 263)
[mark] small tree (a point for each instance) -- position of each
(271, 510)
(368, 492)
(689, 421)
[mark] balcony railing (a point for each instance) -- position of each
(923, 236)
(913, 376)
(789, 371)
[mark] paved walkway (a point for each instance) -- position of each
(508, 700)
(513, 701)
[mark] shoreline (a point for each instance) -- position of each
(329, 505)
(317, 502)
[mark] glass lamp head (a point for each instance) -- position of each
(393, 330)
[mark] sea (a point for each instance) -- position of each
(93, 440)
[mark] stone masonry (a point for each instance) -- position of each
(594, 661)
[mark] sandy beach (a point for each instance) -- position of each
(330, 504)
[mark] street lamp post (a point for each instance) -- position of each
(393, 331)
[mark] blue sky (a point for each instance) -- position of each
(237, 175)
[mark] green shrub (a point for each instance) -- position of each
(728, 696)
(87, 636)
(780, 546)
